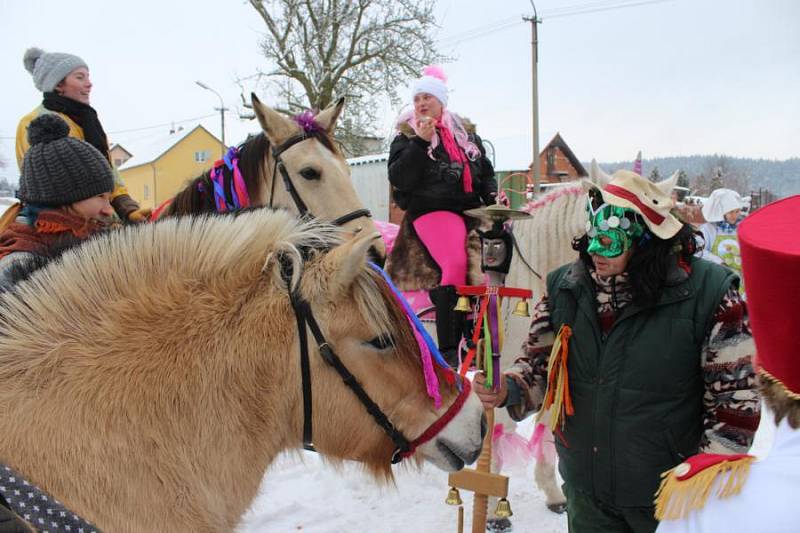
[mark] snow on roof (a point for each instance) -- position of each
(147, 149)
(367, 159)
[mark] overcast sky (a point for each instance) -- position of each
(676, 77)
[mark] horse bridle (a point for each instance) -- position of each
(403, 447)
(292, 190)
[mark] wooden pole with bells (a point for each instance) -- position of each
(481, 481)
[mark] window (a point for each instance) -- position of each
(118, 161)
(201, 156)
(146, 192)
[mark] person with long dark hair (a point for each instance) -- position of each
(640, 354)
(65, 83)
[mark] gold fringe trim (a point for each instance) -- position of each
(557, 400)
(675, 499)
(769, 377)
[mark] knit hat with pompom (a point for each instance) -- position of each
(48, 69)
(60, 170)
(433, 81)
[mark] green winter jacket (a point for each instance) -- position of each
(637, 391)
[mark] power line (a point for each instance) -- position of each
(607, 8)
(164, 124)
(560, 12)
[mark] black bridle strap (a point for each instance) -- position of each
(305, 375)
(344, 219)
(292, 190)
(305, 317)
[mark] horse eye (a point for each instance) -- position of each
(382, 342)
(309, 173)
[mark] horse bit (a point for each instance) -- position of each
(292, 190)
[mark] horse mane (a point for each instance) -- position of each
(545, 239)
(149, 266)
(253, 158)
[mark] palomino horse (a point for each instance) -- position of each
(152, 393)
(545, 243)
(301, 152)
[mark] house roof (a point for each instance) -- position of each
(366, 159)
(117, 145)
(558, 141)
(150, 149)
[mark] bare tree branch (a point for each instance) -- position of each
(318, 50)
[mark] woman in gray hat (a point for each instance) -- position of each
(64, 80)
(65, 189)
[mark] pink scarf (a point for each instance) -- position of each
(455, 153)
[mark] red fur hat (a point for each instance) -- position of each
(770, 247)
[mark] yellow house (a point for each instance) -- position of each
(160, 167)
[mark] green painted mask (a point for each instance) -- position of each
(609, 224)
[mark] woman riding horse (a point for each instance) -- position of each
(438, 170)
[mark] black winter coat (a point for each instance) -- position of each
(422, 185)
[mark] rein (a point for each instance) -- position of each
(403, 447)
(292, 190)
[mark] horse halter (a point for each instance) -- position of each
(292, 190)
(403, 447)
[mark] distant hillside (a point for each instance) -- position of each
(780, 177)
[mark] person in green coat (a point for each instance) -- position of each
(640, 354)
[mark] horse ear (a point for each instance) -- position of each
(344, 263)
(598, 176)
(668, 184)
(328, 116)
(276, 126)
(587, 185)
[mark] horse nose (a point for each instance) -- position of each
(483, 426)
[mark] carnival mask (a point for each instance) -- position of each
(610, 231)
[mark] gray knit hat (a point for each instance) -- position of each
(48, 69)
(58, 169)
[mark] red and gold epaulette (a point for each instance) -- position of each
(686, 487)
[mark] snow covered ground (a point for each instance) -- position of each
(301, 493)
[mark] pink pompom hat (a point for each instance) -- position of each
(433, 81)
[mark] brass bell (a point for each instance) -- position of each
(453, 497)
(463, 304)
(503, 509)
(521, 309)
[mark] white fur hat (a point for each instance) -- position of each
(719, 202)
(433, 81)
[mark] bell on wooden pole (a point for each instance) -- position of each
(453, 497)
(521, 309)
(463, 304)
(503, 509)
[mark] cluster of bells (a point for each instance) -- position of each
(503, 509)
(521, 309)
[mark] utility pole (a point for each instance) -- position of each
(221, 109)
(535, 94)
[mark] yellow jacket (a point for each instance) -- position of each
(74, 131)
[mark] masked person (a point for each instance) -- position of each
(64, 81)
(438, 169)
(641, 355)
(709, 493)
